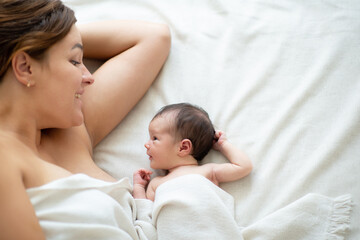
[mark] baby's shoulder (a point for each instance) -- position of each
(206, 170)
(156, 181)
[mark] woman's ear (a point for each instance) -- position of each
(21, 65)
(185, 148)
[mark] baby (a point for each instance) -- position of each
(180, 136)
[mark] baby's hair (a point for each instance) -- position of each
(193, 123)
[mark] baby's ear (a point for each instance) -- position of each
(185, 148)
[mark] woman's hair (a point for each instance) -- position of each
(193, 123)
(31, 26)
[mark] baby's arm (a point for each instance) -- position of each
(240, 165)
(141, 179)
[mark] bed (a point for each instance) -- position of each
(281, 78)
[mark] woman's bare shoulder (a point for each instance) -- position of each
(14, 199)
(21, 165)
(15, 156)
(11, 149)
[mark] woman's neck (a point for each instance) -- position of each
(26, 134)
(16, 117)
(18, 125)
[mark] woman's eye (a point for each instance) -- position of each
(74, 62)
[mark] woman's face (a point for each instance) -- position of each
(60, 80)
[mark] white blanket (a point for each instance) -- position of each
(192, 207)
(188, 207)
(83, 208)
(281, 78)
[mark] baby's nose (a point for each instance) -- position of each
(147, 146)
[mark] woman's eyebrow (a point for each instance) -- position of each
(77, 45)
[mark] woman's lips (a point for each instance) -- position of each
(79, 93)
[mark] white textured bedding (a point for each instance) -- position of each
(281, 78)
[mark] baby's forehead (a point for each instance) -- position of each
(161, 119)
(167, 116)
(164, 121)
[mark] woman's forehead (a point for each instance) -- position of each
(72, 41)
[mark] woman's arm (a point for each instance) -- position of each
(136, 52)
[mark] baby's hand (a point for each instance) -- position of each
(219, 139)
(142, 177)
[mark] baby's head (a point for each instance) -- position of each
(191, 122)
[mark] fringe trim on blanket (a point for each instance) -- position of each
(339, 220)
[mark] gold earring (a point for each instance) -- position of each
(28, 84)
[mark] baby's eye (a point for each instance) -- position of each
(155, 138)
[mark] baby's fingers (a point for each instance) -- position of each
(218, 134)
(143, 173)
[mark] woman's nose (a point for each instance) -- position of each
(87, 77)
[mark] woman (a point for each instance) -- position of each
(53, 111)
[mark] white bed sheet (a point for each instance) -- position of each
(281, 78)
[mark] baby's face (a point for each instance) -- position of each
(161, 147)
